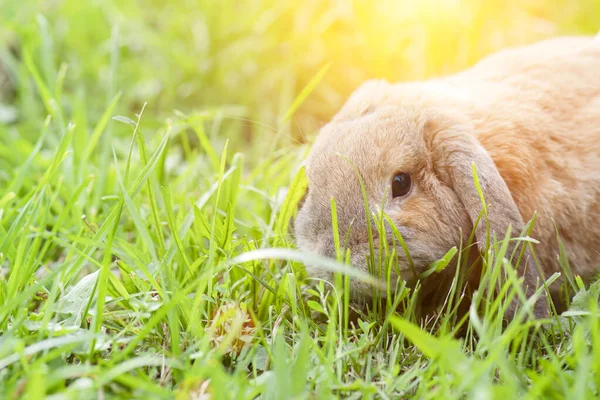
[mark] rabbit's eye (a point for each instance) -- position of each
(401, 184)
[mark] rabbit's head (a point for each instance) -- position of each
(413, 146)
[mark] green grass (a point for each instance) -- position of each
(149, 174)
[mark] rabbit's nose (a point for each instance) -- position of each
(326, 247)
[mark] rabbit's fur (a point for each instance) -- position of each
(528, 117)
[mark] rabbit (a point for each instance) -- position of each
(527, 117)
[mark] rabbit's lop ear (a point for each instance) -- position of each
(458, 149)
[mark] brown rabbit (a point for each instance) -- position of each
(527, 117)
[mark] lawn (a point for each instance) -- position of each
(150, 169)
